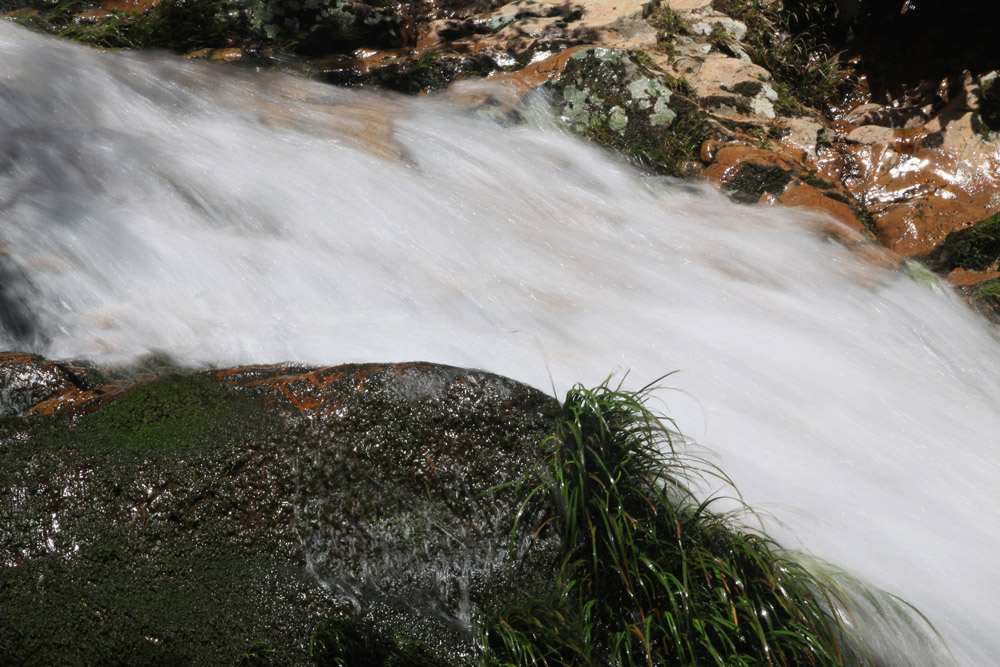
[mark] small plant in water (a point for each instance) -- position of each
(649, 574)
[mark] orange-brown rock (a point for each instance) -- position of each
(229, 55)
(816, 199)
(766, 176)
(31, 385)
(320, 391)
(508, 88)
(136, 6)
(966, 278)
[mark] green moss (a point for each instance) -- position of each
(921, 275)
(668, 23)
(748, 88)
(816, 181)
(988, 290)
(753, 180)
(976, 248)
(348, 642)
(178, 25)
(167, 418)
(119, 607)
(309, 27)
(933, 140)
(432, 71)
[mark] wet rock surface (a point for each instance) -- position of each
(255, 513)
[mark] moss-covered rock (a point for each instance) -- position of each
(752, 180)
(974, 248)
(258, 514)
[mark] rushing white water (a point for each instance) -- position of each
(154, 204)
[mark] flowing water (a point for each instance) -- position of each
(149, 204)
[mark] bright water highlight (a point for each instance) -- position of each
(150, 204)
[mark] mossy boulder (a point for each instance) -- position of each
(974, 248)
(264, 515)
(613, 97)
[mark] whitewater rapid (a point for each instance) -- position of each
(149, 204)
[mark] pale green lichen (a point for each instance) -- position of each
(614, 98)
(653, 93)
(662, 114)
(763, 103)
(576, 111)
(617, 119)
(612, 56)
(499, 22)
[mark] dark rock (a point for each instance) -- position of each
(974, 248)
(434, 71)
(28, 381)
(17, 323)
(752, 180)
(271, 513)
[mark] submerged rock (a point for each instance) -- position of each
(267, 513)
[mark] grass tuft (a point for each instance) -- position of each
(790, 40)
(649, 574)
(669, 24)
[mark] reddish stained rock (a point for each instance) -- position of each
(915, 227)
(229, 55)
(31, 385)
(79, 401)
(137, 6)
(727, 159)
(967, 278)
(321, 391)
(814, 199)
(513, 86)
(27, 379)
(917, 201)
(920, 173)
(800, 185)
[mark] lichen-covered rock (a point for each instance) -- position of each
(268, 514)
(611, 96)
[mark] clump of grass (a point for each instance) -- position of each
(791, 41)
(652, 576)
(668, 24)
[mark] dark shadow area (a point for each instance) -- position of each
(911, 49)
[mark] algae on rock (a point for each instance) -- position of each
(204, 518)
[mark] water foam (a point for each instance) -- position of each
(150, 204)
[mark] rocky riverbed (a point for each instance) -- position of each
(881, 114)
(274, 502)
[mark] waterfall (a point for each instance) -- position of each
(150, 204)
